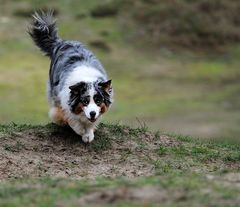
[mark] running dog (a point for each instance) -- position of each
(78, 89)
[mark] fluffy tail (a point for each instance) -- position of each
(44, 32)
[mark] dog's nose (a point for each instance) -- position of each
(92, 114)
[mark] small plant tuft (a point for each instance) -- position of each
(105, 10)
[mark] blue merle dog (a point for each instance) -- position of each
(78, 88)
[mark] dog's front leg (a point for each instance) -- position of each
(89, 134)
(76, 126)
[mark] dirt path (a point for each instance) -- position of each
(59, 152)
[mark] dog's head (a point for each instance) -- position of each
(90, 99)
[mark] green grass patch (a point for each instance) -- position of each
(185, 190)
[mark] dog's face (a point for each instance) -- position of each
(90, 99)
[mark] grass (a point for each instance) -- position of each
(187, 171)
(48, 192)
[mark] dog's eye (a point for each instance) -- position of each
(98, 100)
(85, 101)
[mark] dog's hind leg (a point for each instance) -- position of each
(56, 114)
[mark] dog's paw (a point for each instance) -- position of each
(87, 138)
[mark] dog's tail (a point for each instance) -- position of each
(43, 31)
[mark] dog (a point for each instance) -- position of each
(79, 91)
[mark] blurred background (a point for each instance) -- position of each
(174, 64)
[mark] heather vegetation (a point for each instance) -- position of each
(193, 24)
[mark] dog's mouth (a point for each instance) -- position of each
(92, 120)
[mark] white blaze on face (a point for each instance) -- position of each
(92, 107)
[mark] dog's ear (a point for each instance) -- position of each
(106, 86)
(78, 88)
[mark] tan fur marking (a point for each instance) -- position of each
(58, 116)
(107, 89)
(79, 108)
(104, 108)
